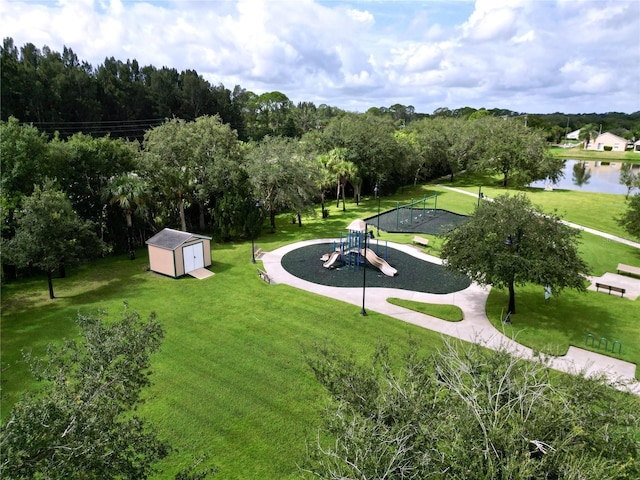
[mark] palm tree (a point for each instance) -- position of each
(342, 170)
(129, 192)
(324, 180)
(588, 132)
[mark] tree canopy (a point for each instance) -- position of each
(81, 423)
(630, 219)
(509, 242)
(467, 412)
(50, 233)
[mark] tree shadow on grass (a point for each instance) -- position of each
(565, 320)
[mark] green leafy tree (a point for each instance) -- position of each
(515, 151)
(282, 174)
(169, 166)
(324, 180)
(468, 412)
(80, 423)
(629, 178)
(342, 170)
(509, 242)
(216, 161)
(369, 143)
(630, 219)
(587, 133)
(49, 233)
(130, 193)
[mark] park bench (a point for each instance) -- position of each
(421, 241)
(256, 251)
(264, 276)
(628, 269)
(611, 288)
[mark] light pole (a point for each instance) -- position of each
(253, 232)
(377, 192)
(515, 244)
(363, 312)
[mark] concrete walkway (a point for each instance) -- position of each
(573, 225)
(474, 328)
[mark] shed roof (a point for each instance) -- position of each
(170, 239)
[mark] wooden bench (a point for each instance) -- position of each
(611, 288)
(256, 251)
(264, 276)
(421, 241)
(628, 269)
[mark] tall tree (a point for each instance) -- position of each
(629, 178)
(50, 233)
(168, 163)
(83, 166)
(342, 171)
(511, 242)
(216, 160)
(81, 422)
(369, 143)
(282, 174)
(129, 192)
(467, 412)
(515, 151)
(587, 133)
(23, 159)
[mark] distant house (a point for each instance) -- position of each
(636, 146)
(175, 253)
(608, 139)
(575, 135)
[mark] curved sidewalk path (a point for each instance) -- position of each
(574, 225)
(475, 327)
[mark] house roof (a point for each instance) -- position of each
(611, 136)
(170, 239)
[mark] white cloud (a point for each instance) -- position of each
(361, 16)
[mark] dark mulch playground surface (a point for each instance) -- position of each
(413, 274)
(417, 220)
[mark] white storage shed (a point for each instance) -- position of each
(175, 253)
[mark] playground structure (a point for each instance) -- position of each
(416, 212)
(350, 252)
(418, 216)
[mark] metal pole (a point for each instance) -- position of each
(253, 250)
(363, 312)
(377, 189)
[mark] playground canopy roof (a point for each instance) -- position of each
(357, 226)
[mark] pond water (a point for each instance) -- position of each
(590, 176)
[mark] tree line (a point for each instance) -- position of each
(198, 175)
(58, 92)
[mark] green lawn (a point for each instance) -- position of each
(594, 210)
(451, 313)
(579, 154)
(230, 379)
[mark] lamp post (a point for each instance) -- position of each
(363, 312)
(253, 232)
(514, 243)
(377, 192)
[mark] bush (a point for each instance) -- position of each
(608, 148)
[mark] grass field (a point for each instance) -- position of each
(578, 153)
(231, 379)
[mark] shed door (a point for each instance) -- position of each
(193, 257)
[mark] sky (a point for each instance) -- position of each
(529, 56)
